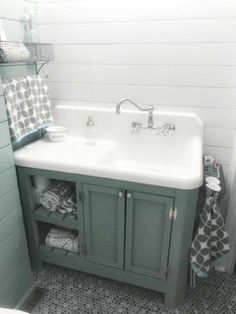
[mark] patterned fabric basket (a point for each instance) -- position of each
(13, 52)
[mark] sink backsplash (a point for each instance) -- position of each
(112, 126)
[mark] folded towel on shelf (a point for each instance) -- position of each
(13, 52)
(27, 105)
(60, 196)
(62, 239)
(49, 199)
(211, 241)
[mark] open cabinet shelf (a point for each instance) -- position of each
(67, 221)
(58, 256)
(46, 249)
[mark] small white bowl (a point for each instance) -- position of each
(56, 133)
(213, 180)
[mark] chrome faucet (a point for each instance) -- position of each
(149, 110)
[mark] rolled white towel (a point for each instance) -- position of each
(49, 200)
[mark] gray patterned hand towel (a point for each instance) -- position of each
(62, 239)
(27, 104)
(39, 93)
(211, 241)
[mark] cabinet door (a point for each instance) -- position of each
(104, 215)
(148, 229)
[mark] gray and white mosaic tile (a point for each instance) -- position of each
(71, 292)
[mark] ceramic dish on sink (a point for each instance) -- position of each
(56, 133)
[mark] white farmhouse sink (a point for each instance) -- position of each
(110, 150)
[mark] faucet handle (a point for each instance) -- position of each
(136, 126)
(170, 127)
(90, 122)
(165, 129)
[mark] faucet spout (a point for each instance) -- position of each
(149, 110)
(127, 100)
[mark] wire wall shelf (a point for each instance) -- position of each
(25, 53)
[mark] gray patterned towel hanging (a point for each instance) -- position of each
(28, 105)
(211, 241)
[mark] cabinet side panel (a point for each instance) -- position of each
(181, 238)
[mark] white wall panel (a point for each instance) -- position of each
(161, 54)
(219, 137)
(203, 76)
(14, 30)
(160, 95)
(12, 9)
(217, 30)
(13, 20)
(132, 10)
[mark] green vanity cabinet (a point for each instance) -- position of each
(148, 229)
(136, 233)
(145, 242)
(104, 217)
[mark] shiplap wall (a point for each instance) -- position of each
(15, 272)
(12, 17)
(178, 55)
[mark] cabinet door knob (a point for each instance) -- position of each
(121, 194)
(129, 195)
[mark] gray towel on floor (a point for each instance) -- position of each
(60, 196)
(211, 241)
(62, 239)
(27, 104)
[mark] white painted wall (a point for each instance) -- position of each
(179, 55)
(13, 20)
